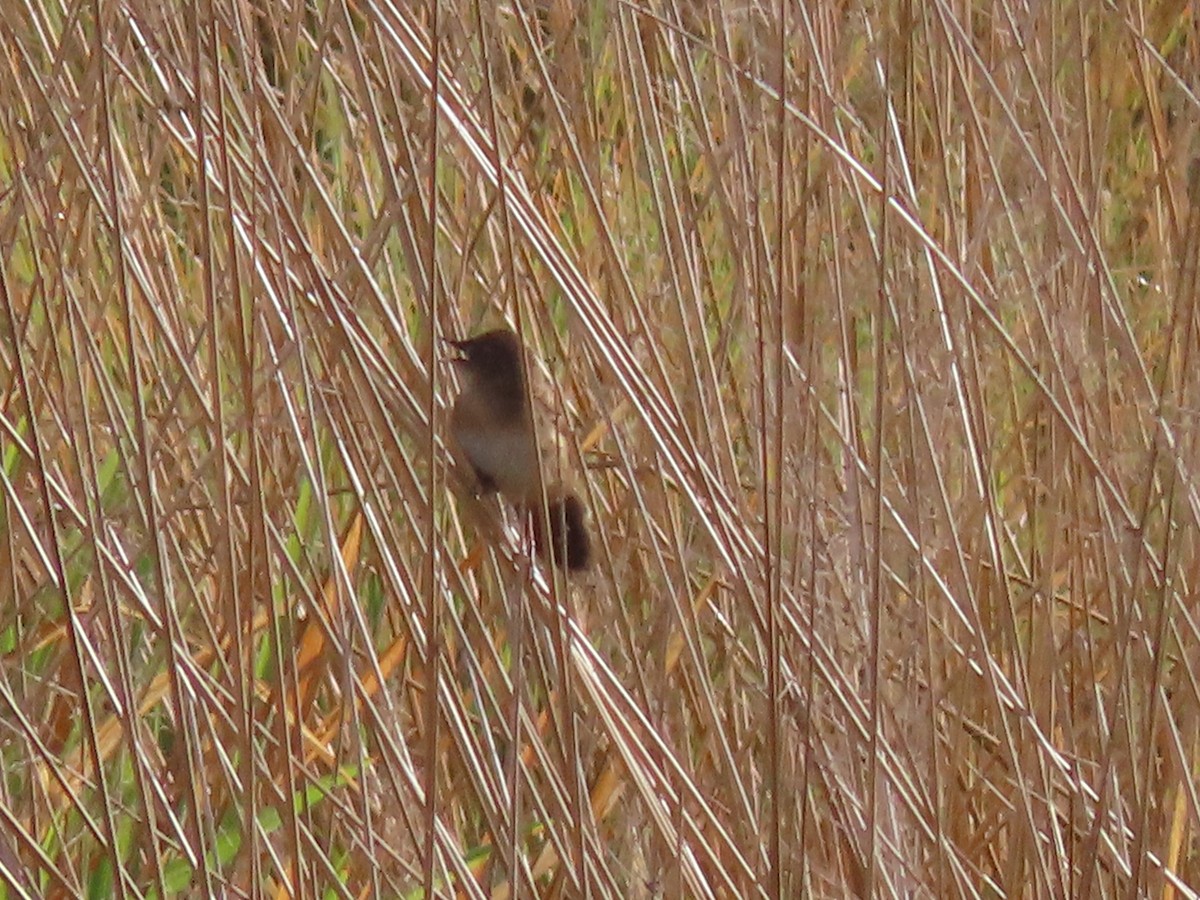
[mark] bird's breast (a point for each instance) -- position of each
(506, 456)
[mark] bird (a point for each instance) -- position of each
(493, 427)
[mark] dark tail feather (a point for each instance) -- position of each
(570, 545)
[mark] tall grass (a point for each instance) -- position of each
(869, 331)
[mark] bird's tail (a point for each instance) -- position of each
(569, 545)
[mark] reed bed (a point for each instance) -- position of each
(868, 330)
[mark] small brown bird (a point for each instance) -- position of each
(493, 426)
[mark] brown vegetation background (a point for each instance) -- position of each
(870, 330)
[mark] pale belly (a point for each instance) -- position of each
(507, 457)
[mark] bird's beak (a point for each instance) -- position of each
(456, 353)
